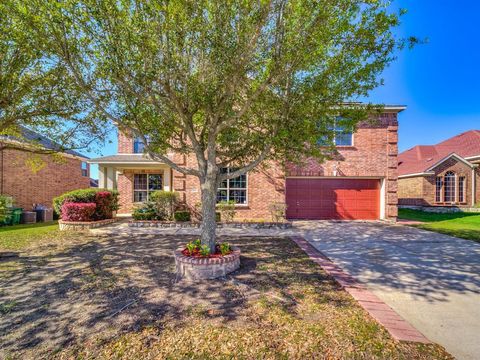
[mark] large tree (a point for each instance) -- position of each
(235, 83)
(37, 93)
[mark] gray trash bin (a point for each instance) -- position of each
(44, 214)
(28, 217)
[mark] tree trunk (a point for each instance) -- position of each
(209, 200)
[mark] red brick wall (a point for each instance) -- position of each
(125, 143)
(410, 195)
(53, 179)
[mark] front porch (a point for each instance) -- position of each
(134, 176)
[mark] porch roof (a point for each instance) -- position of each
(127, 159)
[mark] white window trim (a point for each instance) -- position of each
(147, 190)
(228, 191)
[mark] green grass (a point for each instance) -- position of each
(462, 225)
(18, 237)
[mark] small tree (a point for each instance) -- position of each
(235, 83)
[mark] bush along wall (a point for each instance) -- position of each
(105, 201)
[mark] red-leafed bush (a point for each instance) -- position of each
(78, 211)
(104, 200)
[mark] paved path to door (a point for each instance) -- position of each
(431, 280)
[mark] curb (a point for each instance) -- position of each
(398, 327)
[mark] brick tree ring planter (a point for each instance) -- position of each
(83, 225)
(196, 268)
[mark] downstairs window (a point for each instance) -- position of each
(233, 189)
(144, 184)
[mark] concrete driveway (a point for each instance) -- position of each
(432, 280)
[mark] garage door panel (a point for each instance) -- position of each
(333, 199)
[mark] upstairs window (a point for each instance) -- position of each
(144, 184)
(233, 189)
(449, 187)
(84, 168)
(341, 136)
(138, 146)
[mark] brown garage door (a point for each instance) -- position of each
(314, 199)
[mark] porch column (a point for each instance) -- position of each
(111, 178)
(167, 181)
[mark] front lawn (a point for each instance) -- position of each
(18, 237)
(462, 225)
(115, 297)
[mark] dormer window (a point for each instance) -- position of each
(138, 146)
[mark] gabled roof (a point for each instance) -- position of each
(40, 140)
(422, 158)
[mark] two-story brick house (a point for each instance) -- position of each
(359, 183)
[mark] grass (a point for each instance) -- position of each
(19, 237)
(462, 225)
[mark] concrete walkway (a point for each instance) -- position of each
(431, 280)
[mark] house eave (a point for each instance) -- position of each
(429, 173)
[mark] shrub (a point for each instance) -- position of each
(182, 216)
(165, 203)
(5, 203)
(227, 210)
(78, 211)
(278, 211)
(146, 211)
(204, 250)
(225, 248)
(105, 200)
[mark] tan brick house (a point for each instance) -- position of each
(30, 184)
(359, 183)
(445, 175)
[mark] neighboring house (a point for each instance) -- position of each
(37, 178)
(446, 174)
(359, 183)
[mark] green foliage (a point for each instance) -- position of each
(193, 246)
(225, 248)
(147, 211)
(87, 196)
(227, 210)
(218, 217)
(204, 250)
(278, 210)
(5, 203)
(182, 216)
(165, 203)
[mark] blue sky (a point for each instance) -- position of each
(438, 81)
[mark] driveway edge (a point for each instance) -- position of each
(398, 327)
